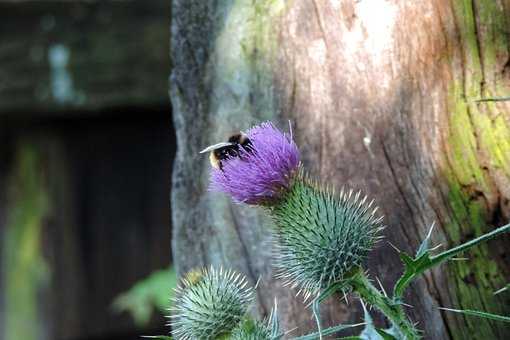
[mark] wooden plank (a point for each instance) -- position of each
(82, 55)
(83, 216)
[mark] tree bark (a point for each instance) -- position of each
(382, 97)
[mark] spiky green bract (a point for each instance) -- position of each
(209, 304)
(322, 235)
(253, 330)
(258, 330)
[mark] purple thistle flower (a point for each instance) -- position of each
(261, 173)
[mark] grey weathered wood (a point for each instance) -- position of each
(58, 57)
(381, 95)
(101, 225)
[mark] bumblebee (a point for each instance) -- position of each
(229, 149)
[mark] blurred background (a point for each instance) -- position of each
(86, 150)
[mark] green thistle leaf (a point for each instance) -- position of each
(424, 261)
(370, 332)
(330, 331)
(146, 295)
(479, 314)
(494, 99)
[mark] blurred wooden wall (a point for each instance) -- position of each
(86, 146)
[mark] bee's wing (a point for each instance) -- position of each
(216, 146)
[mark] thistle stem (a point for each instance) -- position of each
(316, 314)
(392, 310)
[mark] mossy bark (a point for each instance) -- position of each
(478, 160)
(382, 97)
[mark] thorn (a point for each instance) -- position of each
(436, 247)
(257, 283)
(380, 285)
(345, 297)
(363, 304)
(290, 330)
(501, 290)
(393, 246)
(365, 311)
(308, 304)
(449, 309)
(431, 228)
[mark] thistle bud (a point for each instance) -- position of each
(209, 304)
(321, 235)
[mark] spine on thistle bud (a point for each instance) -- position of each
(321, 235)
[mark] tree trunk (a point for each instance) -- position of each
(382, 97)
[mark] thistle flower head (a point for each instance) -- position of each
(209, 303)
(321, 236)
(261, 173)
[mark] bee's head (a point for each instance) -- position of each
(225, 150)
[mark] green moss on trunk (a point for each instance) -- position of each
(476, 279)
(244, 54)
(478, 147)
